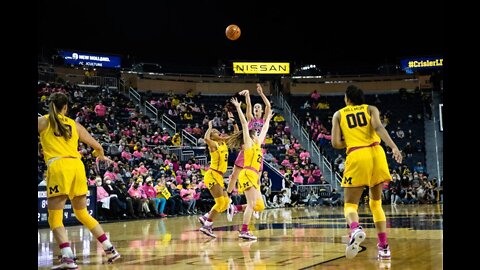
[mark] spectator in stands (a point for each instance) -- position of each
(187, 116)
(366, 165)
(176, 140)
(408, 149)
(400, 134)
(197, 130)
(306, 105)
(419, 168)
(315, 96)
(419, 146)
(265, 187)
(316, 173)
(100, 110)
(187, 193)
(278, 118)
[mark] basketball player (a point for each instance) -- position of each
(255, 122)
(248, 177)
(357, 127)
(66, 176)
(213, 178)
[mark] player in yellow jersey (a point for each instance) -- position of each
(248, 181)
(66, 176)
(213, 178)
(357, 128)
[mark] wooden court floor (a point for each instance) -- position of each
(288, 238)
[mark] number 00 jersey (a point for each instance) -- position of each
(356, 127)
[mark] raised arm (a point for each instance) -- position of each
(211, 143)
(382, 132)
(337, 141)
(249, 111)
(268, 106)
(235, 125)
(247, 141)
(265, 127)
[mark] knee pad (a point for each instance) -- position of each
(226, 203)
(350, 208)
(55, 218)
(259, 205)
(84, 217)
(377, 210)
(219, 204)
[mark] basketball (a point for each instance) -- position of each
(233, 32)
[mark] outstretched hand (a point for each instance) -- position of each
(235, 102)
(259, 89)
(244, 92)
(270, 114)
(210, 124)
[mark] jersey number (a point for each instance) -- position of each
(226, 157)
(358, 119)
(259, 159)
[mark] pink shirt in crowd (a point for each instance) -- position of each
(150, 191)
(101, 193)
(100, 110)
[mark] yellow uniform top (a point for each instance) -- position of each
(356, 127)
(56, 145)
(219, 158)
(253, 156)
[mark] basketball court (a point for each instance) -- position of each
(288, 238)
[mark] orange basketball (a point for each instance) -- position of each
(233, 32)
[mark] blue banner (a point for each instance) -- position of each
(412, 64)
(90, 59)
(68, 215)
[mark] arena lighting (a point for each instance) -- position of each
(308, 67)
(307, 77)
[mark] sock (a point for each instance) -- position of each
(244, 228)
(239, 208)
(354, 225)
(207, 215)
(66, 250)
(382, 239)
(105, 242)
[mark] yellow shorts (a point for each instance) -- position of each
(66, 176)
(246, 179)
(213, 177)
(366, 167)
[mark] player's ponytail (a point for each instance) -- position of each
(57, 102)
(235, 140)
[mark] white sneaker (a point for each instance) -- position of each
(353, 247)
(384, 252)
(230, 212)
(256, 214)
(207, 230)
(66, 263)
(247, 235)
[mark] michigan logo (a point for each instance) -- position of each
(347, 180)
(53, 189)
